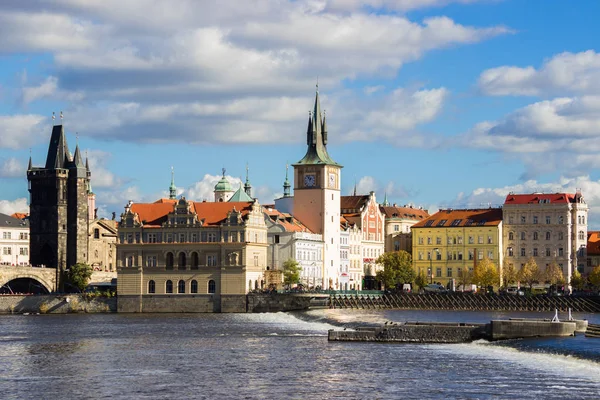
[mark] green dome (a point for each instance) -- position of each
(223, 185)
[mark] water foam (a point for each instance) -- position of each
(287, 319)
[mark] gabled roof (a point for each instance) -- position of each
(540, 198)
(240, 195)
(287, 221)
(353, 204)
(462, 218)
(593, 242)
(6, 221)
(411, 213)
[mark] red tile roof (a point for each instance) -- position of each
(404, 212)
(154, 214)
(541, 198)
(462, 218)
(287, 221)
(18, 215)
(349, 204)
(593, 242)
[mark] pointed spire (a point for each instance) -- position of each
(324, 127)
(87, 162)
(30, 166)
(385, 200)
(286, 183)
(77, 158)
(58, 151)
(309, 130)
(247, 186)
(172, 187)
(355, 186)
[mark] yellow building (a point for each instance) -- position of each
(450, 242)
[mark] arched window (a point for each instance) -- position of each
(535, 236)
(169, 260)
(195, 259)
(547, 235)
(583, 220)
(511, 236)
(151, 287)
(256, 284)
(96, 233)
(181, 260)
(560, 219)
(181, 286)
(212, 287)
(581, 235)
(129, 261)
(194, 286)
(169, 287)
(522, 235)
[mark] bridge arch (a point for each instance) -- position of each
(25, 284)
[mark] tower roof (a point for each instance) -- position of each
(240, 195)
(77, 161)
(223, 185)
(58, 150)
(172, 187)
(316, 138)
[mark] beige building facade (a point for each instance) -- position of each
(102, 252)
(398, 221)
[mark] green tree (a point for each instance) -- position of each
(594, 277)
(397, 268)
(291, 272)
(79, 275)
(421, 280)
(529, 273)
(577, 281)
(486, 273)
(509, 274)
(554, 274)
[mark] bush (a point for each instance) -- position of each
(44, 307)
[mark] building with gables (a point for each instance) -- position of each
(398, 221)
(451, 242)
(290, 239)
(180, 255)
(14, 240)
(547, 227)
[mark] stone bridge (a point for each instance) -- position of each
(38, 280)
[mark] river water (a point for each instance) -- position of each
(280, 356)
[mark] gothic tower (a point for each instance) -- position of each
(59, 214)
(317, 192)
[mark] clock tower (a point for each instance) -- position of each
(317, 181)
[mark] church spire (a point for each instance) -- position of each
(316, 137)
(385, 200)
(286, 183)
(77, 161)
(354, 186)
(172, 188)
(247, 186)
(58, 151)
(30, 166)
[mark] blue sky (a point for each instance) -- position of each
(438, 103)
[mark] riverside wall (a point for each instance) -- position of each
(56, 304)
(406, 333)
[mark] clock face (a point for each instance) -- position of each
(309, 180)
(331, 180)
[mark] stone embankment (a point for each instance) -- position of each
(56, 304)
(466, 301)
(424, 332)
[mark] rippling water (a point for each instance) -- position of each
(277, 356)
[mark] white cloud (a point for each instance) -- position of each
(101, 176)
(47, 89)
(12, 168)
(21, 131)
(565, 73)
(18, 205)
(204, 189)
(399, 5)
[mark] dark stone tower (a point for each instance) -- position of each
(59, 214)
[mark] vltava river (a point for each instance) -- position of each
(278, 356)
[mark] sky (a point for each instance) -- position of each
(434, 103)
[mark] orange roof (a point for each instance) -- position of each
(593, 242)
(462, 218)
(349, 204)
(154, 214)
(404, 212)
(541, 198)
(287, 221)
(19, 215)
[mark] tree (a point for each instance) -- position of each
(577, 281)
(486, 273)
(291, 272)
(529, 273)
(421, 280)
(509, 274)
(79, 275)
(465, 278)
(397, 268)
(554, 274)
(594, 277)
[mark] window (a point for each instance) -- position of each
(211, 260)
(547, 235)
(442, 222)
(480, 239)
(169, 260)
(23, 236)
(169, 238)
(212, 286)
(396, 245)
(583, 220)
(450, 240)
(581, 235)
(428, 240)
(438, 255)
(96, 233)
(522, 252)
(560, 252)
(560, 220)
(420, 240)
(460, 255)
(151, 261)
(396, 228)
(510, 251)
(535, 219)
(151, 287)
(547, 252)
(6, 235)
(470, 254)
(212, 237)
(276, 239)
(490, 254)
(449, 272)
(169, 286)
(6, 251)
(181, 286)
(460, 240)
(438, 240)
(511, 220)
(194, 238)
(523, 219)
(535, 252)
(535, 236)
(547, 220)
(429, 223)
(195, 260)
(23, 251)
(471, 240)
(182, 238)
(480, 255)
(522, 235)
(456, 222)
(194, 286)
(560, 236)
(181, 260)
(490, 240)
(151, 238)
(438, 272)
(420, 255)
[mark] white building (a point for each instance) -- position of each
(343, 282)
(14, 240)
(546, 227)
